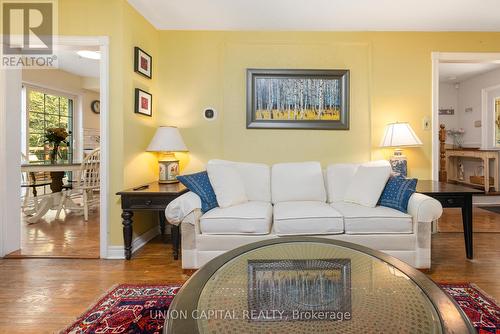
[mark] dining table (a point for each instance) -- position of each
(49, 201)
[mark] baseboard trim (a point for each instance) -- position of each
(486, 200)
(118, 252)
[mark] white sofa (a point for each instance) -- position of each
(301, 199)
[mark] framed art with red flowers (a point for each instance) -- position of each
(143, 103)
(143, 62)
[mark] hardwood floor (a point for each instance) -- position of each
(45, 295)
(449, 263)
(484, 221)
(67, 237)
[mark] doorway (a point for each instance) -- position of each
(459, 83)
(72, 100)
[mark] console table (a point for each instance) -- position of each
(452, 155)
(453, 196)
(150, 197)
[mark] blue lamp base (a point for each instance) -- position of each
(399, 164)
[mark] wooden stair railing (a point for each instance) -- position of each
(443, 177)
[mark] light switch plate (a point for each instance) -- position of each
(426, 123)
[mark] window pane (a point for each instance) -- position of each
(51, 121)
(37, 140)
(36, 146)
(36, 122)
(64, 123)
(51, 104)
(64, 106)
(35, 101)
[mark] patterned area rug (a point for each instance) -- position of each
(128, 308)
(482, 310)
(141, 309)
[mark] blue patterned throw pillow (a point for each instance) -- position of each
(199, 183)
(397, 193)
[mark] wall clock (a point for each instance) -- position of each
(96, 106)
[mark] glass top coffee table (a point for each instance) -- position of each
(311, 285)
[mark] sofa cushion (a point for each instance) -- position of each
(367, 185)
(306, 217)
(256, 178)
(299, 181)
(338, 178)
(360, 219)
(227, 184)
(397, 193)
(199, 183)
(252, 217)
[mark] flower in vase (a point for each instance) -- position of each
(56, 137)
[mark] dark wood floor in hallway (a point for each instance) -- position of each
(45, 295)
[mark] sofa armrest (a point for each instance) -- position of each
(182, 206)
(424, 208)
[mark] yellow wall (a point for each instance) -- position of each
(129, 133)
(390, 81)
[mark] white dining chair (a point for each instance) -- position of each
(31, 182)
(87, 181)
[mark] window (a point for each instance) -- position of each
(47, 110)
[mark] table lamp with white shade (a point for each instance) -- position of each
(399, 135)
(167, 140)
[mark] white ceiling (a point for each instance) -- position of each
(70, 62)
(317, 15)
(458, 72)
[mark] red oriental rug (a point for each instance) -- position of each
(128, 308)
(141, 309)
(481, 309)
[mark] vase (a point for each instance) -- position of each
(54, 154)
(458, 141)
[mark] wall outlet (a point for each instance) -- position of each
(426, 123)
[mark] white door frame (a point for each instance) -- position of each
(10, 161)
(449, 57)
(6, 193)
(486, 140)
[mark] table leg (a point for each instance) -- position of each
(57, 181)
(162, 219)
(127, 233)
(43, 207)
(495, 174)
(467, 223)
(176, 241)
(486, 167)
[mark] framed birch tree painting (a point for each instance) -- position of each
(298, 99)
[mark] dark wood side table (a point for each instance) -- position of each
(453, 196)
(154, 197)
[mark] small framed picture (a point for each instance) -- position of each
(143, 63)
(143, 102)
